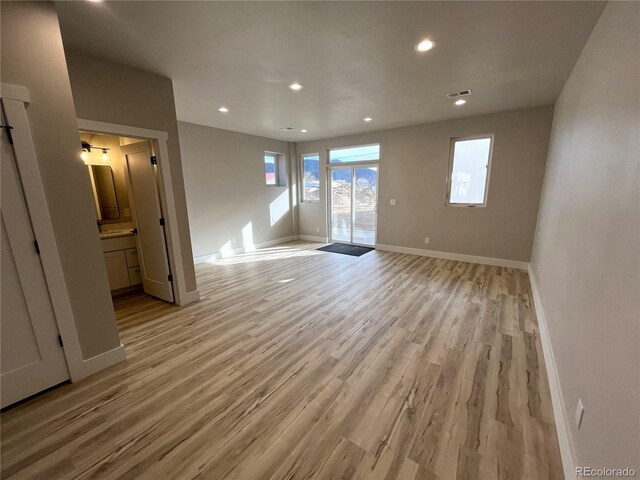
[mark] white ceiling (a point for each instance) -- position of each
(355, 59)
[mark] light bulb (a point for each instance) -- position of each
(105, 155)
(425, 45)
(84, 155)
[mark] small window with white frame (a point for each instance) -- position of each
(271, 169)
(470, 165)
(310, 178)
(275, 169)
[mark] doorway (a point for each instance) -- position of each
(129, 212)
(353, 204)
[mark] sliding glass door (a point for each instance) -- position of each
(353, 204)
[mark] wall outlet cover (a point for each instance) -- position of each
(392, 201)
(318, 229)
(426, 240)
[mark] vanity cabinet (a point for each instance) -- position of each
(121, 259)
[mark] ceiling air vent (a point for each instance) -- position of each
(461, 93)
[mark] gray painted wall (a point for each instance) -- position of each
(113, 93)
(32, 56)
(586, 256)
(413, 169)
(225, 184)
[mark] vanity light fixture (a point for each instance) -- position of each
(86, 151)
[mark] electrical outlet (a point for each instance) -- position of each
(579, 414)
(392, 202)
(426, 240)
(318, 229)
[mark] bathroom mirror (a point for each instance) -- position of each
(104, 192)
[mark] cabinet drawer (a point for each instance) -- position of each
(116, 269)
(135, 276)
(132, 257)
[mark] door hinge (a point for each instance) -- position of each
(9, 136)
(60, 341)
(35, 244)
(162, 222)
(170, 277)
(154, 160)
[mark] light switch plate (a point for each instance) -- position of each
(579, 413)
(392, 201)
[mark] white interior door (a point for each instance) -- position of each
(147, 216)
(32, 357)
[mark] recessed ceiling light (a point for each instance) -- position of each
(295, 86)
(304, 130)
(367, 119)
(223, 109)
(425, 45)
(95, 1)
(460, 101)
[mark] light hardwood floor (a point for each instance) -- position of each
(300, 364)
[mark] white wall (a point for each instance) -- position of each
(32, 56)
(413, 166)
(226, 193)
(586, 258)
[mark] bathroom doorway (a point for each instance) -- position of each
(130, 213)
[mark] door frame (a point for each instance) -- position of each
(158, 141)
(351, 166)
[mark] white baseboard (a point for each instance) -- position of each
(498, 262)
(235, 251)
(564, 437)
(100, 362)
(311, 238)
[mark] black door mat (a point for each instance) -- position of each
(352, 250)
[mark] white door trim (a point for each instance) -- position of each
(159, 140)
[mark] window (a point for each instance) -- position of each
(469, 175)
(311, 178)
(271, 168)
(365, 153)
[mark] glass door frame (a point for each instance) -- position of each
(353, 166)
